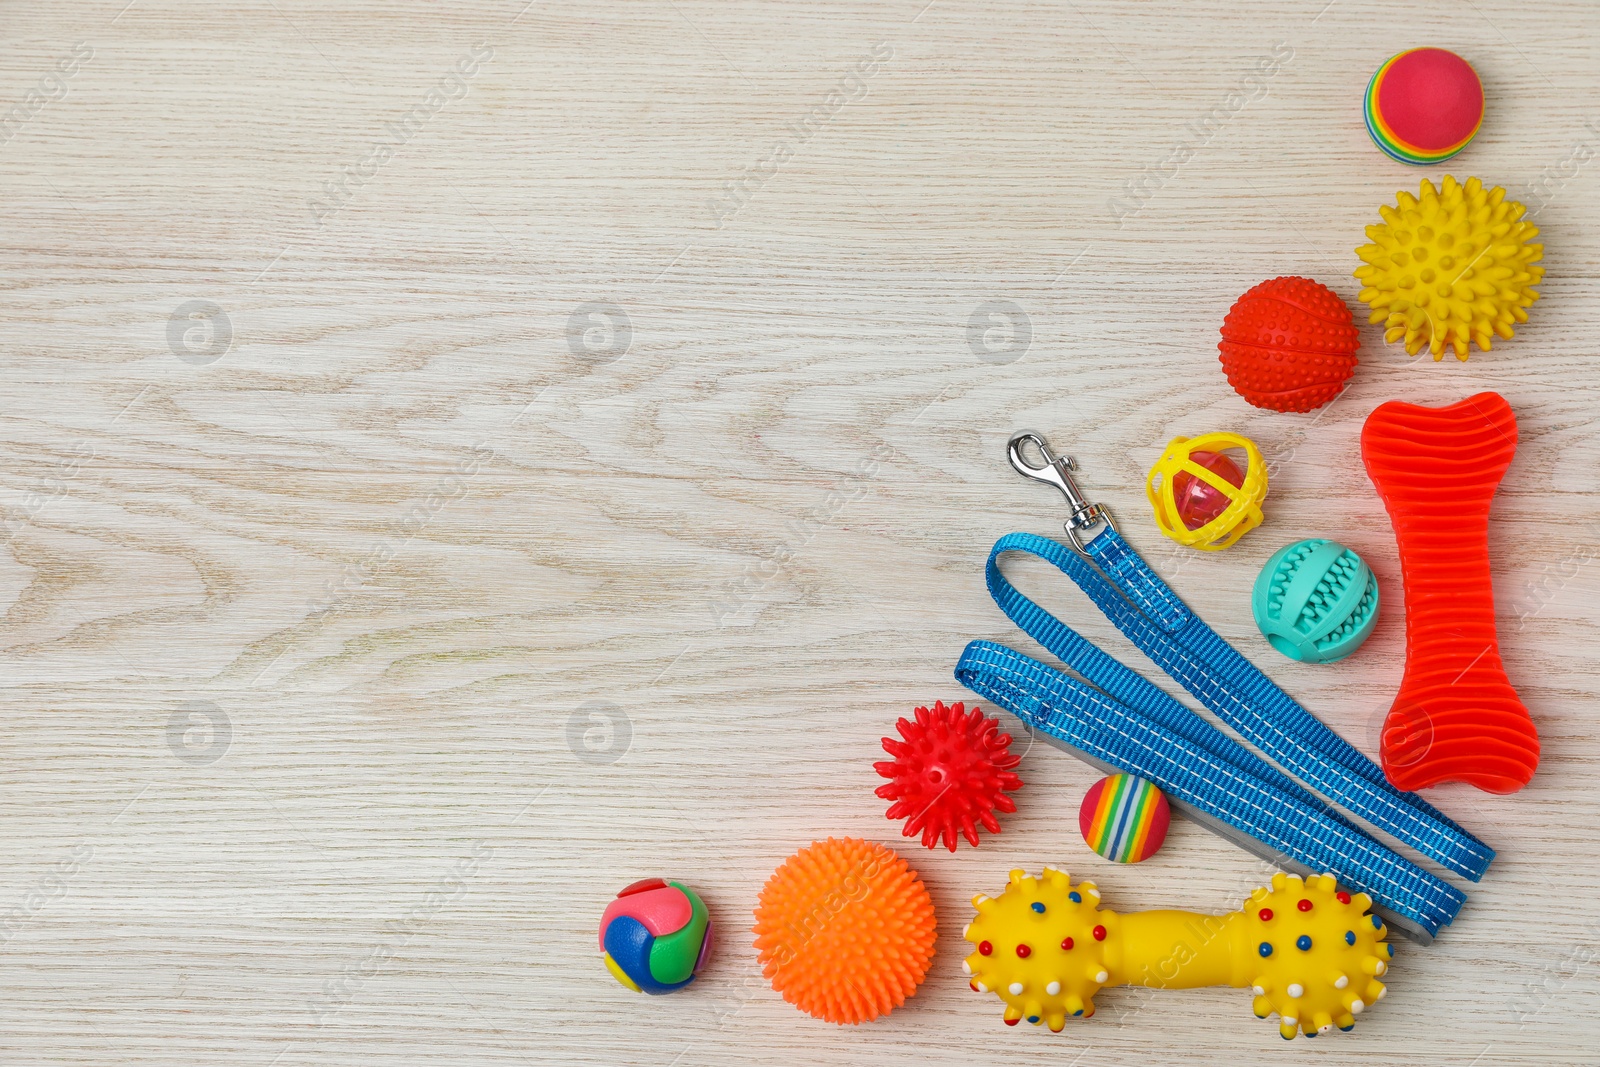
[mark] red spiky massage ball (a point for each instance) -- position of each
(1289, 344)
(951, 771)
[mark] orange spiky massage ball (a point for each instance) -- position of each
(845, 930)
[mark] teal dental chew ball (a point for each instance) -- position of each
(655, 936)
(1315, 601)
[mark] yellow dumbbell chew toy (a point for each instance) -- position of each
(1311, 952)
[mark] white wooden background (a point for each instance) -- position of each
(522, 528)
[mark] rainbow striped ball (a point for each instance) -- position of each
(1124, 818)
(1423, 105)
(655, 936)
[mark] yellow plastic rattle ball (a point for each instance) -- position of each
(1200, 496)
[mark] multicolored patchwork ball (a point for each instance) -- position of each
(655, 936)
(1423, 105)
(1124, 818)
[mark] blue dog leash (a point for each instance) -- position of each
(1120, 720)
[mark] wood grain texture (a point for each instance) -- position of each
(532, 514)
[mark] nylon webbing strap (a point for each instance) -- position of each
(1248, 701)
(1123, 720)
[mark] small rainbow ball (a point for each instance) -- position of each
(655, 936)
(1124, 818)
(1423, 105)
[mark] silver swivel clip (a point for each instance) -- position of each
(1057, 471)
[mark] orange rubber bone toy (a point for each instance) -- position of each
(1456, 717)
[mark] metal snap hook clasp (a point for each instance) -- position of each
(1057, 471)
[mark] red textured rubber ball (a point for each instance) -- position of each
(1289, 344)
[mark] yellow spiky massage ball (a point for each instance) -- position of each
(1450, 266)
